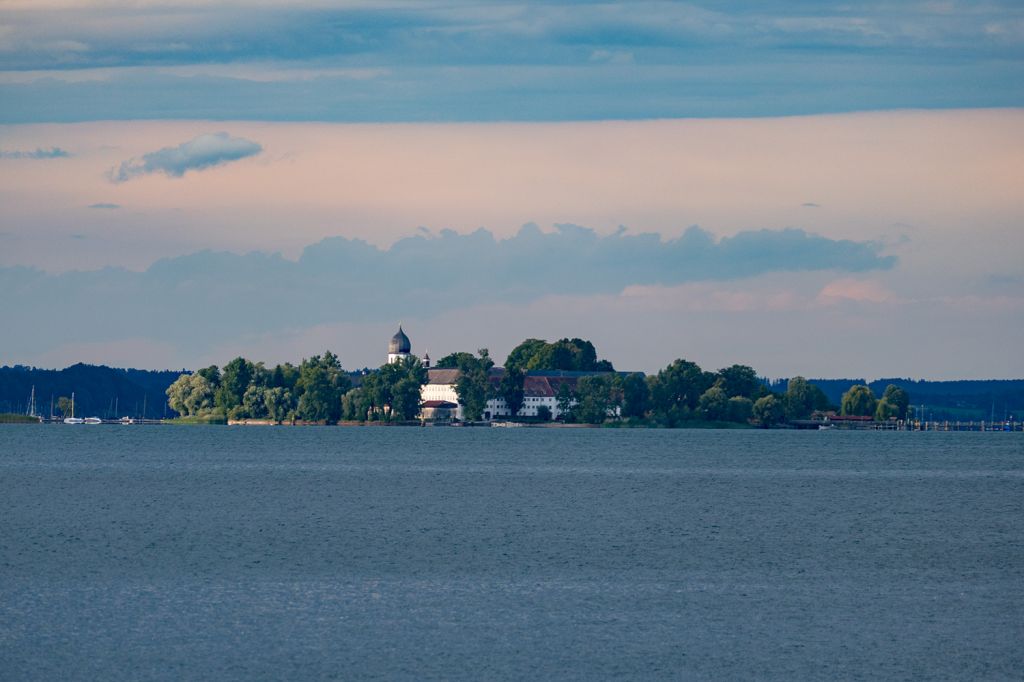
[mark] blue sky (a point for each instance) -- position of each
(782, 184)
(466, 61)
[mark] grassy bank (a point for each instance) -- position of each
(197, 420)
(11, 418)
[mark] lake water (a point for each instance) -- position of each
(155, 552)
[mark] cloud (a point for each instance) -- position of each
(205, 151)
(51, 153)
(810, 204)
(349, 280)
(105, 205)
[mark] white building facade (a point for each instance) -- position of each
(440, 386)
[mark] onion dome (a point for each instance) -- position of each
(400, 343)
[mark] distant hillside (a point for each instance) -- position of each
(964, 400)
(98, 390)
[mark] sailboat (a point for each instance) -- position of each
(32, 405)
(73, 419)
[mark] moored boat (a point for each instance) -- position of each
(73, 419)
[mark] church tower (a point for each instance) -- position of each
(399, 348)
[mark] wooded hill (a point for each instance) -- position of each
(98, 390)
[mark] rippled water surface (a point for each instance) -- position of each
(157, 552)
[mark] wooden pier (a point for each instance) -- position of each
(914, 425)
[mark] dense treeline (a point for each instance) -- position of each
(315, 390)
(680, 393)
(111, 392)
(319, 390)
(684, 393)
(311, 391)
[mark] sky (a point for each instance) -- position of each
(815, 188)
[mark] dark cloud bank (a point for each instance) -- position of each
(210, 296)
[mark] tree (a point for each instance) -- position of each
(356, 404)
(676, 390)
(884, 410)
(565, 354)
(406, 402)
(279, 403)
(284, 376)
(768, 411)
(714, 404)
(372, 397)
(211, 374)
(394, 389)
(859, 401)
(740, 380)
(473, 385)
(254, 403)
(322, 382)
(521, 354)
(511, 389)
(452, 360)
(740, 409)
(554, 356)
(898, 398)
(64, 405)
(348, 405)
(819, 400)
(584, 355)
(233, 383)
(635, 396)
(403, 381)
(259, 375)
(191, 395)
(799, 402)
(594, 399)
(544, 413)
(565, 401)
